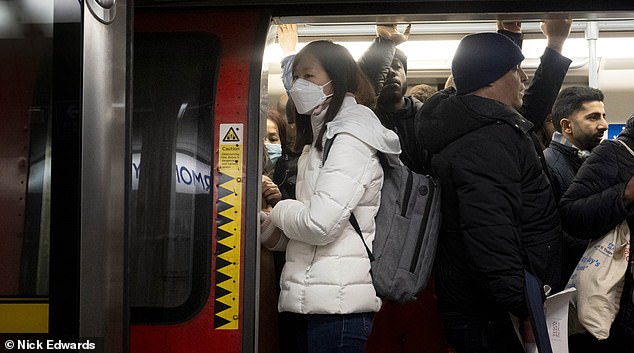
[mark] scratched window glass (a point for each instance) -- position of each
(170, 189)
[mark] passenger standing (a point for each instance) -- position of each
(499, 213)
(415, 327)
(285, 177)
(326, 279)
(579, 119)
(268, 319)
(600, 197)
(275, 128)
(280, 152)
(386, 67)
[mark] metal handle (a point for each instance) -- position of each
(102, 10)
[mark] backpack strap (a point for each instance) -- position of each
(326, 149)
(355, 225)
(353, 219)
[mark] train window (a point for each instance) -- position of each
(170, 197)
(25, 151)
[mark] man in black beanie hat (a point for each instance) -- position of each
(482, 59)
(499, 212)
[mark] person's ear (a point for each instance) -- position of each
(566, 126)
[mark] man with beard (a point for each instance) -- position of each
(579, 119)
(386, 67)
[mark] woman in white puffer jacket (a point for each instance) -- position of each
(326, 278)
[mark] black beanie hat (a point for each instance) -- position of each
(481, 59)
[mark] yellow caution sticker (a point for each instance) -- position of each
(228, 228)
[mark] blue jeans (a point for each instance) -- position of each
(331, 333)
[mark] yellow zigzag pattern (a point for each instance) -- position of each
(228, 220)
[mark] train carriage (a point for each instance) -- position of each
(131, 149)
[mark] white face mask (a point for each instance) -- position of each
(307, 95)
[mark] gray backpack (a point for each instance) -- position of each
(407, 227)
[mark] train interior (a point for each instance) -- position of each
(601, 52)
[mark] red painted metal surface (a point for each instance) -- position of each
(237, 34)
(20, 58)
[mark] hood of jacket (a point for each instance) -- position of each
(353, 119)
(446, 117)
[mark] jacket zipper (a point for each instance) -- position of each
(312, 261)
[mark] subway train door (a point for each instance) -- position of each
(195, 144)
(62, 157)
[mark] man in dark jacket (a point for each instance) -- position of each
(386, 67)
(579, 119)
(499, 213)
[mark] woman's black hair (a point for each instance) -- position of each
(303, 129)
(346, 77)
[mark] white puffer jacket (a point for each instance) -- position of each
(327, 270)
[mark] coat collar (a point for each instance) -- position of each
(361, 122)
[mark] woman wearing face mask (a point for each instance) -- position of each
(278, 182)
(273, 140)
(281, 165)
(326, 281)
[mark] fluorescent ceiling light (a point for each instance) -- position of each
(437, 54)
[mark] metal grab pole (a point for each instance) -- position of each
(592, 34)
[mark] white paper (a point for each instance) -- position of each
(556, 308)
(556, 312)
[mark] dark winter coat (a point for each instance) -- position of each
(402, 122)
(499, 211)
(285, 175)
(593, 205)
(497, 206)
(563, 163)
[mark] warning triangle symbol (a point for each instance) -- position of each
(231, 136)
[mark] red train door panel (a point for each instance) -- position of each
(219, 324)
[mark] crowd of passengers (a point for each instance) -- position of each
(526, 177)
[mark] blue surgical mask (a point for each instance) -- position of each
(274, 151)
